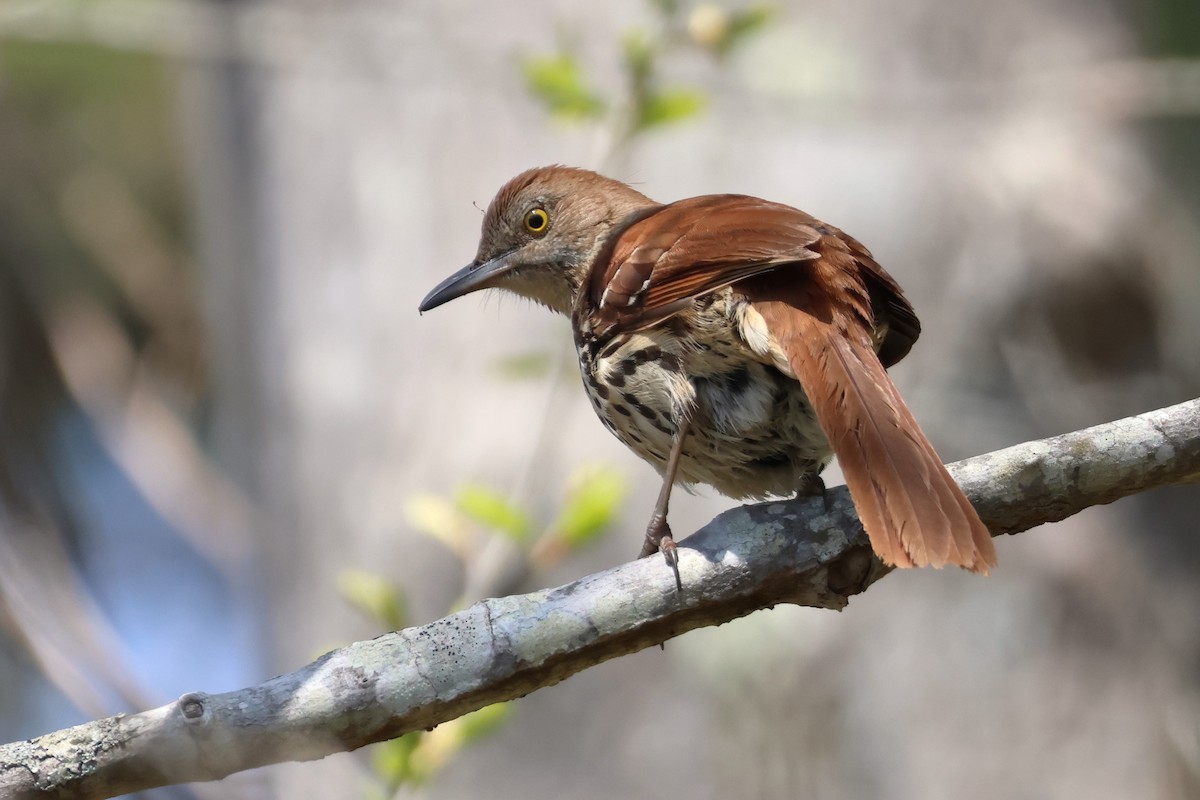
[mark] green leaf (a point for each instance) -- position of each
(638, 50)
(437, 517)
(557, 81)
(744, 23)
(375, 596)
(393, 761)
(483, 722)
(492, 509)
(719, 30)
(591, 504)
(417, 757)
(670, 106)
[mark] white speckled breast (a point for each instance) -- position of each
(752, 431)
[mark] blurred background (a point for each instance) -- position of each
(229, 443)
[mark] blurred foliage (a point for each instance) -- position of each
(92, 194)
(721, 31)
(1172, 27)
(557, 80)
(413, 759)
(591, 501)
(593, 497)
(376, 597)
(67, 106)
(490, 509)
(646, 101)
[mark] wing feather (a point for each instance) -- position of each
(690, 248)
(687, 249)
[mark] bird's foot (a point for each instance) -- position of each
(660, 540)
(814, 486)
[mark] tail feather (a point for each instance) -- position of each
(912, 510)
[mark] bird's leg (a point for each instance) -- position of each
(812, 485)
(658, 532)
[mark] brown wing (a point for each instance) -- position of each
(896, 324)
(689, 248)
(692, 247)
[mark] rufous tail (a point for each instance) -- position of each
(913, 511)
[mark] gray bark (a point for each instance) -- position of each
(756, 556)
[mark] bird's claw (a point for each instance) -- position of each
(660, 540)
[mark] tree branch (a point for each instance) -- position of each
(748, 558)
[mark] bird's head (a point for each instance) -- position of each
(541, 234)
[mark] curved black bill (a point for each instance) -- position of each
(470, 278)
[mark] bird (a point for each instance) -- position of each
(734, 342)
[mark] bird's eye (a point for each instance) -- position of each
(537, 221)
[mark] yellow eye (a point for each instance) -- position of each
(537, 220)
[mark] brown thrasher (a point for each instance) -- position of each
(735, 342)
